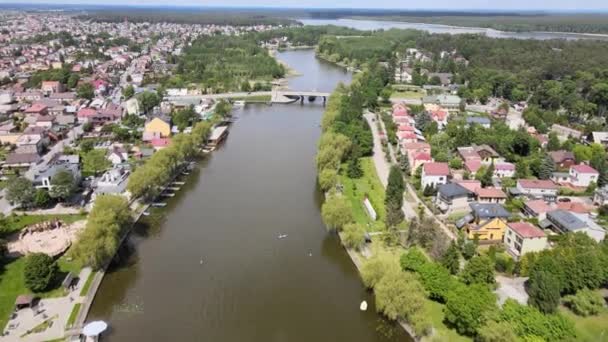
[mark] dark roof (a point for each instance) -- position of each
(561, 155)
(489, 210)
(566, 220)
(452, 190)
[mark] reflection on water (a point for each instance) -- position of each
(251, 286)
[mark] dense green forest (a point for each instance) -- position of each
(208, 17)
(555, 75)
(309, 35)
(572, 23)
(224, 63)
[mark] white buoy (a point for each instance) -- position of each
(363, 306)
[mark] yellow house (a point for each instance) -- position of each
(487, 230)
(156, 128)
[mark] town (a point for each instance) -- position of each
(467, 190)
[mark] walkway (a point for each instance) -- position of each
(383, 167)
(57, 310)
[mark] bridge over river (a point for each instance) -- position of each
(276, 96)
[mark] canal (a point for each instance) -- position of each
(209, 266)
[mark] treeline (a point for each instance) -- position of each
(572, 23)
(309, 35)
(147, 180)
(98, 242)
(235, 18)
(223, 63)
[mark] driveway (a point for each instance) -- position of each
(511, 288)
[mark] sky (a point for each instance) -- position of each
(557, 5)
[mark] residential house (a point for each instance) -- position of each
(484, 153)
(478, 120)
(563, 221)
(502, 170)
(450, 102)
(490, 195)
(9, 133)
(562, 159)
(434, 174)
(453, 197)
(522, 237)
(112, 182)
(156, 128)
(563, 132)
(536, 209)
(85, 114)
(582, 175)
(472, 166)
(49, 87)
(600, 197)
(37, 109)
(600, 138)
(132, 106)
(536, 188)
(489, 221)
(440, 116)
(160, 143)
(43, 178)
(445, 78)
(21, 160)
(417, 153)
(117, 155)
(560, 177)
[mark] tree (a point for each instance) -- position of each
(148, 100)
(553, 144)
(543, 289)
(40, 270)
(94, 161)
(353, 235)
(399, 295)
(328, 178)
(485, 175)
(468, 307)
(456, 163)
(479, 270)
(547, 167)
(385, 94)
(376, 267)
(336, 212)
(404, 164)
(245, 86)
(63, 185)
(469, 249)
(422, 121)
(494, 331)
(527, 322)
(128, 92)
(394, 197)
(451, 259)
(85, 91)
(585, 302)
(183, 118)
(21, 191)
(354, 170)
(42, 198)
(73, 81)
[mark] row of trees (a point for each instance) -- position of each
(147, 180)
(99, 241)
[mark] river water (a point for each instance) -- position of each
(209, 266)
(368, 25)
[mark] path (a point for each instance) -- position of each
(58, 309)
(383, 167)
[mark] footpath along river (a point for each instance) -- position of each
(209, 266)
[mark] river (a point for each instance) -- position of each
(367, 25)
(209, 266)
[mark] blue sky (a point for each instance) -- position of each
(402, 4)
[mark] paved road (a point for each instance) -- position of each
(383, 167)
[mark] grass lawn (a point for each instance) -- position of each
(73, 314)
(87, 284)
(442, 333)
(407, 95)
(589, 329)
(357, 189)
(18, 222)
(12, 284)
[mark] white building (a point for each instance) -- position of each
(536, 188)
(434, 174)
(522, 237)
(582, 175)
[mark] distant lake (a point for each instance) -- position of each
(367, 25)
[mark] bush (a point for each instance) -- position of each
(504, 263)
(529, 322)
(585, 302)
(40, 269)
(353, 235)
(479, 270)
(413, 260)
(437, 281)
(543, 289)
(468, 307)
(375, 268)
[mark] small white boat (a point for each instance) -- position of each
(146, 213)
(159, 204)
(238, 104)
(363, 306)
(282, 236)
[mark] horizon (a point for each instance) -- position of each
(314, 5)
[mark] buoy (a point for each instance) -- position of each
(363, 306)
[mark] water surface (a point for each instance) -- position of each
(250, 285)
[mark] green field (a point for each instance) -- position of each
(357, 189)
(73, 314)
(589, 329)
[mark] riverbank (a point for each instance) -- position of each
(289, 71)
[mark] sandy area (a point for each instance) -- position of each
(51, 242)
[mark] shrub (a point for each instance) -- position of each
(585, 302)
(504, 263)
(529, 322)
(40, 269)
(479, 270)
(353, 235)
(375, 268)
(413, 260)
(468, 307)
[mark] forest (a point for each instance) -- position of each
(222, 63)
(565, 77)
